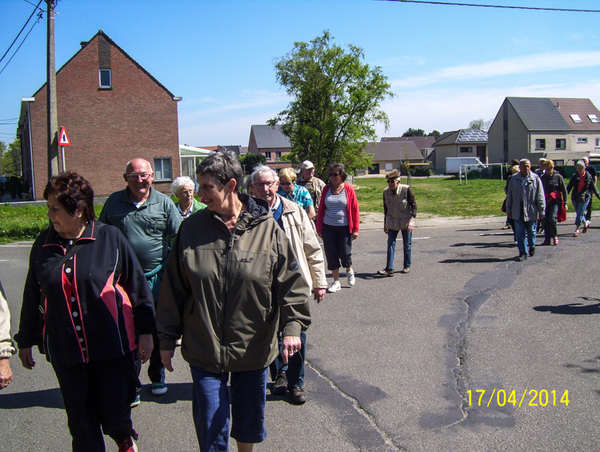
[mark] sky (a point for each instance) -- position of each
(447, 65)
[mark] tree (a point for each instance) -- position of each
(251, 160)
(435, 134)
(414, 133)
(11, 158)
(480, 124)
(335, 103)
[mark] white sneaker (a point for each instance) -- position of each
(334, 287)
(351, 278)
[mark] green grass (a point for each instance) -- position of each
(443, 197)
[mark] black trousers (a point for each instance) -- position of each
(337, 241)
(97, 398)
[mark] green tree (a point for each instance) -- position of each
(11, 158)
(435, 134)
(251, 160)
(414, 133)
(480, 124)
(335, 103)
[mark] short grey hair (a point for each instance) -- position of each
(263, 169)
(524, 161)
(580, 163)
(180, 183)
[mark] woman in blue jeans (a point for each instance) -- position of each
(400, 210)
(582, 185)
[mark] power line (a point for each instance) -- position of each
(477, 5)
(22, 42)
(23, 28)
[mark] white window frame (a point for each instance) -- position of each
(564, 143)
(576, 118)
(594, 118)
(540, 144)
(105, 71)
(582, 140)
(159, 169)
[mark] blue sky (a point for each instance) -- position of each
(447, 65)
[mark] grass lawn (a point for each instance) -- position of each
(443, 197)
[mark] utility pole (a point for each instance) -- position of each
(51, 96)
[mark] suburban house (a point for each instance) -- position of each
(561, 129)
(391, 153)
(460, 143)
(113, 110)
(425, 144)
(269, 141)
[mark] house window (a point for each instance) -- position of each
(162, 168)
(540, 144)
(277, 155)
(597, 141)
(268, 155)
(466, 149)
(576, 119)
(559, 163)
(105, 78)
(389, 166)
(561, 143)
(582, 140)
(594, 119)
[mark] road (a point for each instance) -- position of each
(400, 364)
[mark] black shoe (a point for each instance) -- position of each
(280, 386)
(521, 258)
(298, 394)
(532, 251)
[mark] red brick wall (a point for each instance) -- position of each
(107, 127)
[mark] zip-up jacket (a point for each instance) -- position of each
(226, 292)
(94, 304)
(588, 187)
(399, 207)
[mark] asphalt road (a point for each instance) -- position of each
(399, 364)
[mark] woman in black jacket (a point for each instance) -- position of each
(582, 185)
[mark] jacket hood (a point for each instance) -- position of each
(258, 210)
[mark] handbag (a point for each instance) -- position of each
(503, 208)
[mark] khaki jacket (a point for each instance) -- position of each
(399, 206)
(300, 232)
(226, 292)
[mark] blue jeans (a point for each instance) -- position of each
(210, 407)
(295, 368)
(391, 247)
(523, 228)
(580, 208)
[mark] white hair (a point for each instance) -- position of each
(180, 183)
(263, 169)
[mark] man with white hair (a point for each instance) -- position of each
(148, 218)
(294, 221)
(313, 184)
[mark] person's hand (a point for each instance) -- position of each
(291, 345)
(5, 373)
(145, 347)
(385, 229)
(26, 357)
(319, 293)
(354, 235)
(165, 357)
(411, 225)
(509, 216)
(566, 207)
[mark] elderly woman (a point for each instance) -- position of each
(338, 223)
(183, 188)
(295, 193)
(556, 196)
(85, 279)
(582, 185)
(231, 278)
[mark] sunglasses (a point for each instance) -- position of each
(285, 183)
(334, 174)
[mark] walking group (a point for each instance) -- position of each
(227, 279)
(538, 200)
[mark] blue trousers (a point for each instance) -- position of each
(391, 247)
(580, 208)
(210, 407)
(523, 229)
(295, 368)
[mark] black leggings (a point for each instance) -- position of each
(337, 242)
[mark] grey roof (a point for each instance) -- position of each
(394, 150)
(270, 137)
(447, 138)
(538, 113)
(421, 142)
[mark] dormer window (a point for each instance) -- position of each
(594, 119)
(105, 79)
(576, 119)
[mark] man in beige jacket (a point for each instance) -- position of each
(294, 221)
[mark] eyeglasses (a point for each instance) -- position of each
(134, 176)
(285, 183)
(267, 184)
(334, 174)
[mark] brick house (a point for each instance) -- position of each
(113, 110)
(269, 141)
(561, 129)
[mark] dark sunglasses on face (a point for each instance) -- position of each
(285, 183)
(334, 174)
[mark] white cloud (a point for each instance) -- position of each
(543, 62)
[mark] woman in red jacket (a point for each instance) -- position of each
(337, 223)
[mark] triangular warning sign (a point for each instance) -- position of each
(63, 138)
